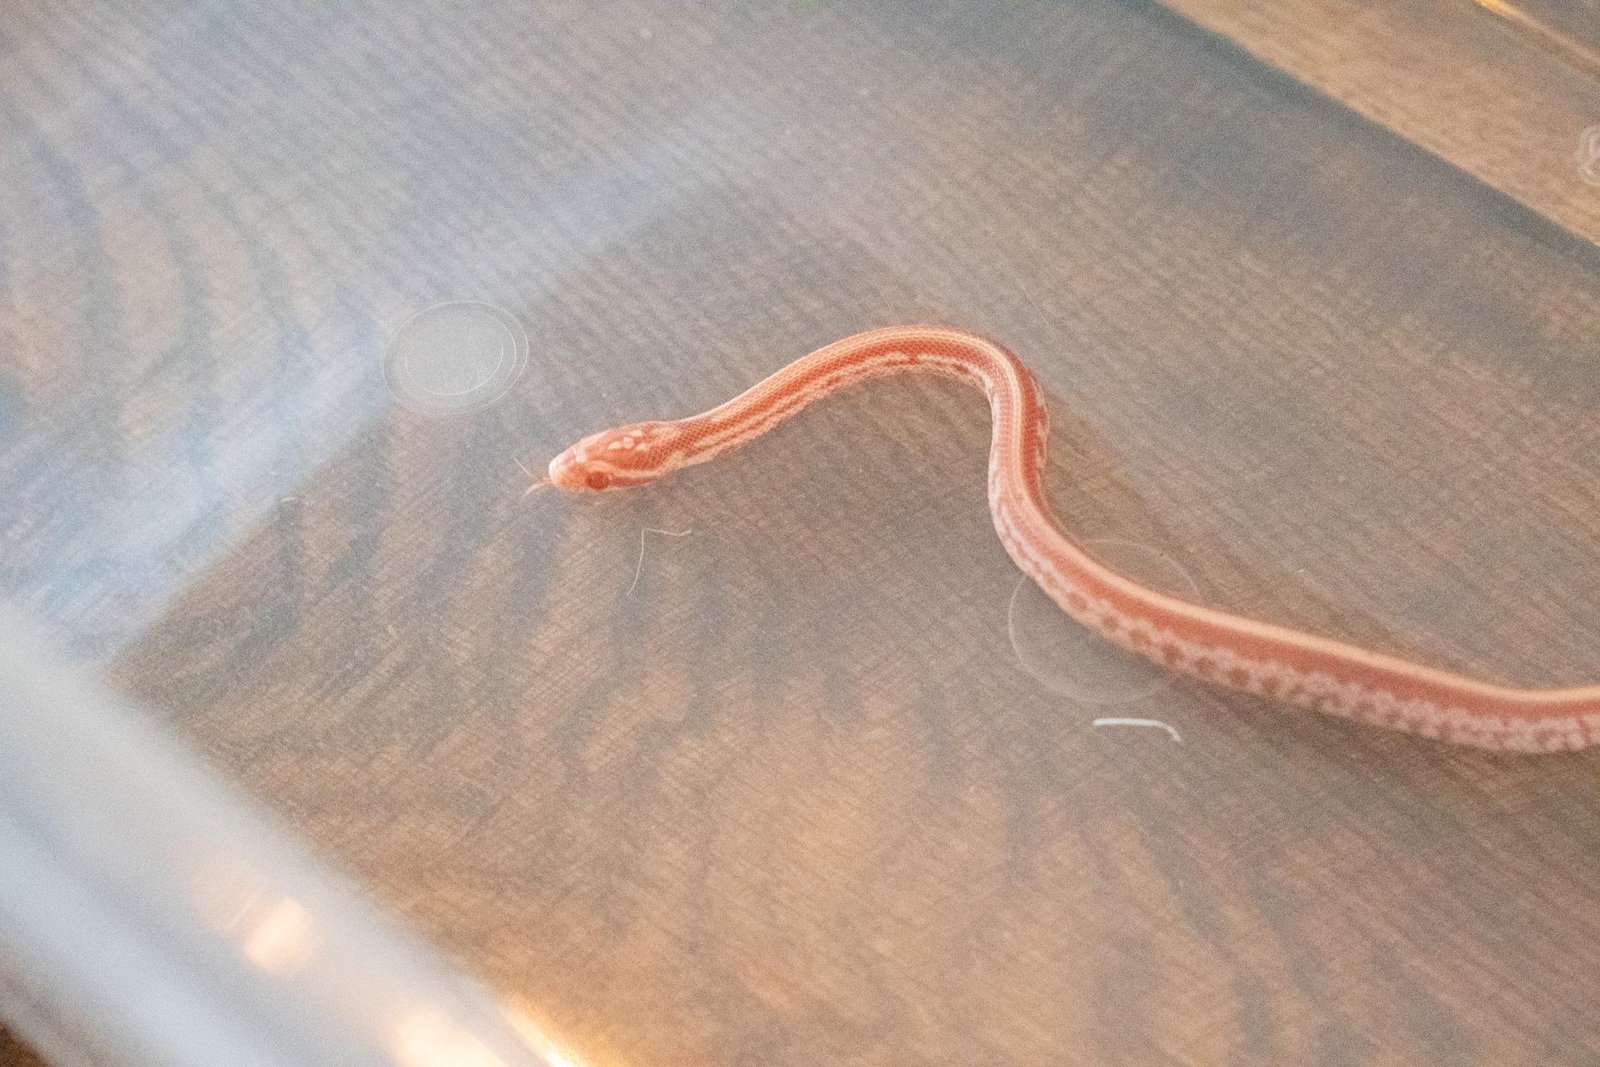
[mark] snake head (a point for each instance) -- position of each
(620, 458)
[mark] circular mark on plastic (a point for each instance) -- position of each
(1068, 657)
(455, 357)
(1589, 155)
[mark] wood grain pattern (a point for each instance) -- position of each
(1505, 95)
(1569, 29)
(792, 799)
(15, 1054)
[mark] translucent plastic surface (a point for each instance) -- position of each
(773, 762)
(148, 916)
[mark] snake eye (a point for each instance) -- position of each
(598, 480)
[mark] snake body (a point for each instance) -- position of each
(1257, 657)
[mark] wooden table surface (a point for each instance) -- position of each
(814, 782)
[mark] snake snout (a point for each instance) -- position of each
(566, 472)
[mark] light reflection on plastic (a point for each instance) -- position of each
(534, 1035)
(281, 939)
(428, 1038)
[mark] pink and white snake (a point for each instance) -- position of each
(1257, 657)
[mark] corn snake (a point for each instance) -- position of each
(1257, 657)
